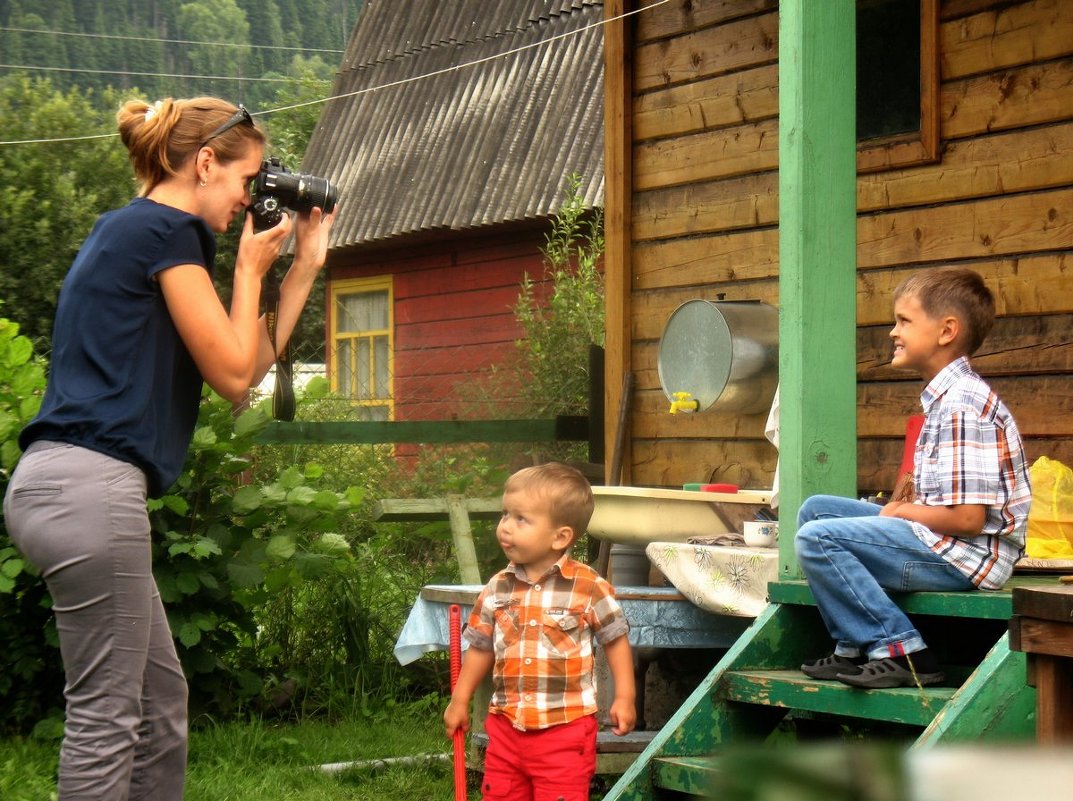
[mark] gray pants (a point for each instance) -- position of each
(80, 517)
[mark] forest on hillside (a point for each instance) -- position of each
(245, 50)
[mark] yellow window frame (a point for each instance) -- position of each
(360, 286)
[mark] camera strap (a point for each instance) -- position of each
(283, 393)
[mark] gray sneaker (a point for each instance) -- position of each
(832, 665)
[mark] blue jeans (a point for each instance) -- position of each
(851, 556)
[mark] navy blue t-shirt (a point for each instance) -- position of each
(121, 381)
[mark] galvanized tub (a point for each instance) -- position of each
(724, 354)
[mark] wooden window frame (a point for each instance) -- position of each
(358, 286)
(916, 147)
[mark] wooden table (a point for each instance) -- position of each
(1042, 627)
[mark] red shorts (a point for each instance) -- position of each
(555, 764)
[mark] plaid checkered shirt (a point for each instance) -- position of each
(970, 452)
(542, 634)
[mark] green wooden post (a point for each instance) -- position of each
(817, 257)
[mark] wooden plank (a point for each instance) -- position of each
(430, 309)
(1015, 161)
(465, 331)
(986, 605)
(1026, 223)
(747, 201)
(651, 309)
(953, 9)
(1054, 699)
(1034, 345)
(686, 776)
(671, 19)
(462, 536)
(709, 155)
(1010, 36)
(747, 96)
(1054, 602)
(878, 459)
(1035, 636)
(672, 463)
(458, 360)
(422, 431)
(652, 419)
(708, 261)
(791, 689)
(1042, 405)
(1033, 283)
(618, 215)
(1034, 95)
(427, 509)
(993, 704)
(697, 54)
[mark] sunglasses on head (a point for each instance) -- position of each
(237, 118)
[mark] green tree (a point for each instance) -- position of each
(216, 21)
(52, 192)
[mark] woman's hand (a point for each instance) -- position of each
(311, 238)
(258, 251)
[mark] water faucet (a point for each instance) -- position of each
(684, 402)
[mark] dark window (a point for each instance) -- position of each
(888, 67)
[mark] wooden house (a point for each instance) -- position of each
(985, 180)
(451, 134)
(750, 157)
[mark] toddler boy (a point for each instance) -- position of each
(533, 625)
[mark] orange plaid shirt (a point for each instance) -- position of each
(542, 634)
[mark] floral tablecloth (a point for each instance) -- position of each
(724, 579)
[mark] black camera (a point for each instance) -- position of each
(276, 188)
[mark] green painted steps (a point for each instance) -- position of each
(791, 689)
(757, 691)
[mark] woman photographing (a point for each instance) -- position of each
(139, 327)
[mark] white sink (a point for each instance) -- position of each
(640, 515)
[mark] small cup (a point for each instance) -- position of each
(761, 533)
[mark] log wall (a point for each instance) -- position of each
(704, 220)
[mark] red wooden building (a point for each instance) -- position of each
(454, 131)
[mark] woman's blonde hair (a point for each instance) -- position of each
(161, 136)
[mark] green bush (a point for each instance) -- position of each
(223, 548)
(558, 331)
(31, 679)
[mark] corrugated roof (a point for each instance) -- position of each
(462, 147)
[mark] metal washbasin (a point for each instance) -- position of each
(640, 515)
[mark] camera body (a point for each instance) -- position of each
(276, 188)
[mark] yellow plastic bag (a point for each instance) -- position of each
(1050, 521)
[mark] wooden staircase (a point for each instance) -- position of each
(757, 693)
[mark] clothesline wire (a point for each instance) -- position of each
(390, 84)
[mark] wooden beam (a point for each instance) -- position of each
(618, 190)
(817, 247)
(423, 431)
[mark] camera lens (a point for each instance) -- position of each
(314, 192)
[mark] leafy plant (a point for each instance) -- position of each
(224, 547)
(30, 675)
(560, 328)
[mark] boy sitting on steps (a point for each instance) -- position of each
(966, 527)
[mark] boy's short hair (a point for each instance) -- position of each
(566, 490)
(956, 291)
